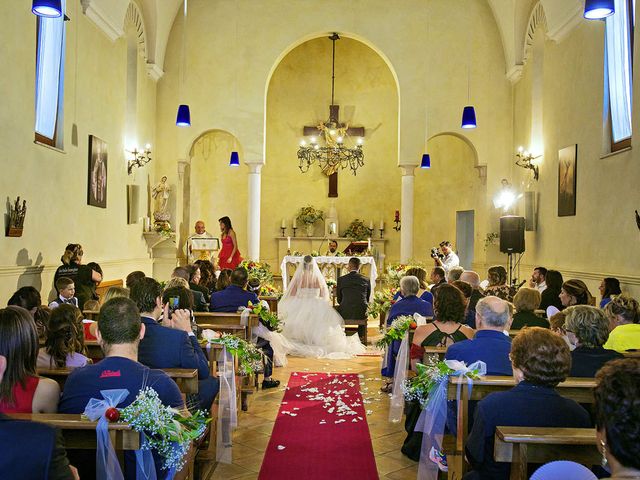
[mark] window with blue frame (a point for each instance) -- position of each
(50, 80)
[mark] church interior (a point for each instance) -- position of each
(125, 174)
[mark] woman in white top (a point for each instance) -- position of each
(311, 324)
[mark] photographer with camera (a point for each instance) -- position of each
(447, 259)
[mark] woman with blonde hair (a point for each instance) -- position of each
(526, 301)
(114, 292)
(623, 313)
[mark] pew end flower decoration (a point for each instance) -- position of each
(267, 318)
(396, 331)
(382, 301)
(249, 357)
(431, 374)
(331, 283)
(167, 431)
(258, 270)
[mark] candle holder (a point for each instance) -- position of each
(288, 251)
(283, 229)
(381, 232)
(398, 226)
(294, 230)
(370, 231)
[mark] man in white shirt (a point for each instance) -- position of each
(538, 279)
(201, 232)
(450, 258)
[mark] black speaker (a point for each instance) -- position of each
(512, 234)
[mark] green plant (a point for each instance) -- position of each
(309, 215)
(357, 230)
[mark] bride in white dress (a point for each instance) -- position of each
(311, 325)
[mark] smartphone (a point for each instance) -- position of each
(174, 304)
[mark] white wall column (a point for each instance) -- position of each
(406, 213)
(253, 213)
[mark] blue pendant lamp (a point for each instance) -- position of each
(47, 8)
(234, 161)
(426, 161)
(598, 9)
(184, 116)
(469, 117)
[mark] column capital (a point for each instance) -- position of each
(254, 167)
(408, 170)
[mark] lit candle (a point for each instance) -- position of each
(288, 242)
(295, 225)
(381, 224)
(371, 225)
(284, 224)
(369, 243)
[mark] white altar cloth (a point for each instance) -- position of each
(330, 260)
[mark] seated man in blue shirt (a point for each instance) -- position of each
(172, 344)
(408, 305)
(119, 333)
(230, 300)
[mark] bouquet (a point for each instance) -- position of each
(261, 271)
(382, 301)
(268, 319)
(331, 283)
(309, 215)
(249, 357)
(268, 290)
(357, 231)
(396, 330)
(429, 377)
(168, 432)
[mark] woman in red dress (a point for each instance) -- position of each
(229, 256)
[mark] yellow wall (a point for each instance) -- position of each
(54, 183)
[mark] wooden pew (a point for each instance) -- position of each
(185, 378)
(360, 326)
(219, 321)
(631, 354)
(578, 389)
(91, 314)
(431, 351)
(272, 302)
(523, 445)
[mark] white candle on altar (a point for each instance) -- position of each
(288, 242)
(294, 223)
(371, 225)
(284, 224)
(381, 224)
(369, 243)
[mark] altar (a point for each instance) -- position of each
(337, 263)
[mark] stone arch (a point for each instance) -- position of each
(133, 19)
(476, 160)
(537, 19)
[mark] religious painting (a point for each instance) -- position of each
(567, 159)
(97, 181)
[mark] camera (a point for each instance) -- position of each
(435, 253)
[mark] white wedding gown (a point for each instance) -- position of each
(312, 327)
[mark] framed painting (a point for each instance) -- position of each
(567, 160)
(97, 179)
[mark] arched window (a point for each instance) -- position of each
(618, 73)
(50, 80)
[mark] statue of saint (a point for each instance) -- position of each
(160, 194)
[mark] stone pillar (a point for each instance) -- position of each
(183, 207)
(406, 213)
(253, 214)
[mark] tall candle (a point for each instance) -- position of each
(284, 224)
(295, 225)
(369, 243)
(288, 242)
(371, 225)
(381, 224)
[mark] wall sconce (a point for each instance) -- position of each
(139, 159)
(525, 159)
(396, 220)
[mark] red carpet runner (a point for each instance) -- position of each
(321, 432)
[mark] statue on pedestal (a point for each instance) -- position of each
(160, 194)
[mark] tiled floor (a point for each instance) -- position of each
(254, 427)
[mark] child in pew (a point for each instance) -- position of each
(119, 333)
(64, 344)
(21, 390)
(540, 360)
(66, 291)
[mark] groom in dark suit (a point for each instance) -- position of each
(354, 290)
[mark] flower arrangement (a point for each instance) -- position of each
(249, 357)
(357, 231)
(259, 270)
(382, 301)
(268, 319)
(396, 330)
(315, 253)
(396, 271)
(331, 283)
(429, 376)
(168, 432)
(163, 229)
(268, 290)
(309, 215)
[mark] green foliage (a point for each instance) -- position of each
(357, 231)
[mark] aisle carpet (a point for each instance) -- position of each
(321, 431)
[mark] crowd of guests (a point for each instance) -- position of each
(573, 338)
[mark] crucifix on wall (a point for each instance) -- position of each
(333, 132)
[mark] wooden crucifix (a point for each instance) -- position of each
(333, 123)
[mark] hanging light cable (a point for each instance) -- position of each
(426, 159)
(469, 113)
(183, 118)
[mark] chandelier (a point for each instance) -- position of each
(329, 144)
